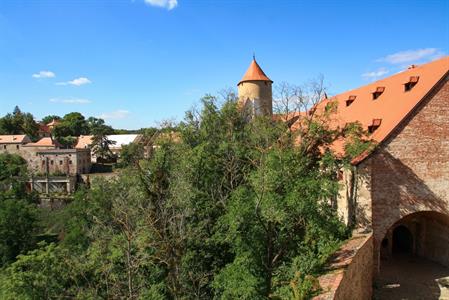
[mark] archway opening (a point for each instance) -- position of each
(402, 240)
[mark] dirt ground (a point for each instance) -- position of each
(405, 277)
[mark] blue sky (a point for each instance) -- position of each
(138, 62)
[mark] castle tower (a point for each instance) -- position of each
(255, 93)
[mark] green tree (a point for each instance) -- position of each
(18, 220)
(18, 214)
(50, 118)
(13, 177)
(19, 123)
(101, 146)
(131, 154)
(71, 126)
(97, 125)
(231, 208)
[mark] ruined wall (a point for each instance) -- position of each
(349, 275)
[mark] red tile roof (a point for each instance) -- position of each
(45, 142)
(393, 105)
(14, 139)
(84, 141)
(255, 73)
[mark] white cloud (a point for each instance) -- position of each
(168, 4)
(375, 74)
(77, 81)
(118, 114)
(70, 100)
(412, 56)
(44, 74)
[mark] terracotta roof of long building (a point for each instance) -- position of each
(14, 139)
(255, 73)
(385, 103)
(45, 142)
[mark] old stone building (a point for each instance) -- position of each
(399, 192)
(51, 168)
(13, 143)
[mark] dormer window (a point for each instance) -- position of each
(379, 90)
(411, 83)
(350, 100)
(373, 127)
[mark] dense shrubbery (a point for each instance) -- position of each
(236, 209)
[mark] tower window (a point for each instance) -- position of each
(373, 127)
(350, 100)
(411, 83)
(379, 90)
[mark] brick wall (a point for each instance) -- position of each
(349, 275)
(410, 171)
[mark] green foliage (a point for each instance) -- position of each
(356, 141)
(224, 208)
(17, 226)
(13, 176)
(50, 118)
(101, 146)
(131, 154)
(18, 215)
(19, 123)
(71, 125)
(97, 126)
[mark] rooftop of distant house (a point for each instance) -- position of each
(14, 139)
(45, 142)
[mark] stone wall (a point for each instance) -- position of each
(349, 275)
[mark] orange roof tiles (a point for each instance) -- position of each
(14, 139)
(84, 141)
(255, 73)
(395, 102)
(45, 142)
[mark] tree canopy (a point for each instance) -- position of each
(229, 207)
(18, 122)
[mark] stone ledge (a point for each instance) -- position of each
(338, 265)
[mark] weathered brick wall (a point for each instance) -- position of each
(410, 171)
(350, 271)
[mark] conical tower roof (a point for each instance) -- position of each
(255, 73)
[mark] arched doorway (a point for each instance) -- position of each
(414, 258)
(402, 240)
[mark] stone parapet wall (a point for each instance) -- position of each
(349, 275)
